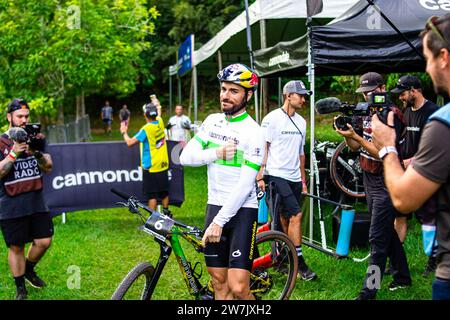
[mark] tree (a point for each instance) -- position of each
(54, 51)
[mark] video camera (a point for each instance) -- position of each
(29, 135)
(378, 103)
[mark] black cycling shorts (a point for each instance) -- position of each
(19, 231)
(155, 184)
(237, 248)
(290, 195)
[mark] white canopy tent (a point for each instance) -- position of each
(268, 9)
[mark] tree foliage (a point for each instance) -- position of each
(180, 18)
(51, 51)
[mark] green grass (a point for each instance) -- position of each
(105, 244)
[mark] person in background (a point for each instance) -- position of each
(383, 239)
(416, 113)
(124, 115)
(285, 134)
(154, 157)
(107, 117)
(179, 125)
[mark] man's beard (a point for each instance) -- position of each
(15, 125)
(410, 102)
(235, 108)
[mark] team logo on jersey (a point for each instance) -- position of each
(236, 253)
(256, 152)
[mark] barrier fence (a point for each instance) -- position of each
(75, 131)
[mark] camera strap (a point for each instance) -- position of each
(292, 121)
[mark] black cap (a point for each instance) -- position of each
(369, 82)
(17, 104)
(407, 82)
(150, 110)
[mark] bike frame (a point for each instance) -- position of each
(186, 270)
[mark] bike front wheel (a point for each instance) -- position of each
(137, 285)
(275, 266)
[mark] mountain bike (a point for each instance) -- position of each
(272, 277)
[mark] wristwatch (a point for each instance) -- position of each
(385, 150)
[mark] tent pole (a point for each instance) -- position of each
(279, 91)
(250, 51)
(264, 82)
(179, 89)
(194, 77)
(170, 96)
(219, 60)
(311, 79)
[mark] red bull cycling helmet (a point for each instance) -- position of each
(239, 74)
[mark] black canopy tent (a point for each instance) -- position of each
(357, 41)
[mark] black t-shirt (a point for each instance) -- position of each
(415, 121)
(124, 114)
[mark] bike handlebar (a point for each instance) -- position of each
(120, 194)
(134, 201)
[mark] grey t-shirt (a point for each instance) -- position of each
(432, 161)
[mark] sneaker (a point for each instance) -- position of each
(430, 267)
(366, 294)
(21, 293)
(395, 286)
(307, 274)
(34, 279)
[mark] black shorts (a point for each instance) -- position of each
(236, 249)
(155, 185)
(290, 195)
(20, 231)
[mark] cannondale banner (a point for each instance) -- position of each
(84, 173)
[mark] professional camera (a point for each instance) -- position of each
(378, 103)
(30, 135)
(36, 140)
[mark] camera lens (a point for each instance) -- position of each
(341, 122)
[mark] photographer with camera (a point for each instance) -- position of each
(24, 216)
(416, 113)
(383, 238)
(429, 172)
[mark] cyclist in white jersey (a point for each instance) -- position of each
(232, 145)
(285, 133)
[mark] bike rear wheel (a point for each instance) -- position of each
(275, 266)
(137, 284)
(346, 171)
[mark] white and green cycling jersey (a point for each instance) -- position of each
(225, 178)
